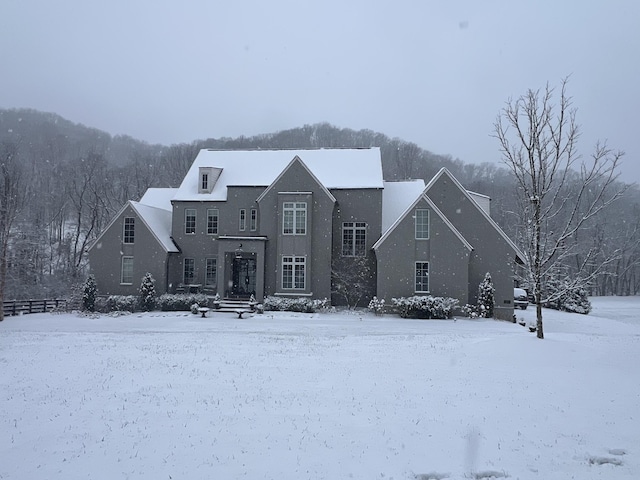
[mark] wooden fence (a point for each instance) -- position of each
(20, 307)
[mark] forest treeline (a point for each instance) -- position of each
(76, 178)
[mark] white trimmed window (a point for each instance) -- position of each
(243, 220)
(126, 271)
(254, 219)
(354, 238)
(294, 218)
(212, 221)
(422, 224)
(294, 272)
(211, 272)
(204, 181)
(129, 230)
(422, 277)
(189, 271)
(190, 221)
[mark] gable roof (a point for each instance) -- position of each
(444, 172)
(334, 168)
(435, 209)
(396, 198)
(158, 221)
(297, 160)
(158, 197)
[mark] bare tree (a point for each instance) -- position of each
(559, 192)
(11, 200)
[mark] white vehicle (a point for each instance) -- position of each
(520, 298)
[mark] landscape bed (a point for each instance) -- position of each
(326, 395)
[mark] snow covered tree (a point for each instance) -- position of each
(486, 297)
(148, 292)
(351, 279)
(12, 194)
(559, 193)
(89, 293)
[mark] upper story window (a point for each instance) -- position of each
(243, 220)
(294, 218)
(190, 221)
(204, 181)
(212, 221)
(422, 223)
(354, 236)
(128, 235)
(254, 219)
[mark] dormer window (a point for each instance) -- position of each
(207, 177)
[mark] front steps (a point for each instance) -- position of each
(233, 306)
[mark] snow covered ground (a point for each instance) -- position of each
(295, 396)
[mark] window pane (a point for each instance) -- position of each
(127, 270)
(243, 219)
(347, 241)
(129, 230)
(287, 222)
(190, 221)
(299, 273)
(354, 239)
(254, 219)
(294, 218)
(301, 222)
(211, 271)
(422, 276)
(212, 221)
(422, 224)
(287, 272)
(205, 181)
(189, 269)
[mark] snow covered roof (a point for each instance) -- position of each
(158, 197)
(158, 220)
(335, 168)
(396, 198)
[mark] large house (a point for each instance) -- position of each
(275, 222)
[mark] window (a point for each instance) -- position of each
(254, 219)
(190, 221)
(126, 271)
(422, 224)
(204, 181)
(422, 277)
(128, 235)
(243, 219)
(354, 239)
(293, 272)
(294, 218)
(189, 270)
(212, 221)
(211, 272)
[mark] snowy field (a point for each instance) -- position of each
(335, 396)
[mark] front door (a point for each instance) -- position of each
(243, 277)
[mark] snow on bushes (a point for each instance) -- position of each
(302, 305)
(177, 302)
(148, 293)
(89, 294)
(486, 297)
(376, 305)
(566, 297)
(425, 306)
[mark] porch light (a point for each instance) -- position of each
(239, 251)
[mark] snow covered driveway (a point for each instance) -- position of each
(291, 396)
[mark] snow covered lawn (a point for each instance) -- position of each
(295, 396)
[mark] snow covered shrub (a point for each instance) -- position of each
(566, 297)
(180, 302)
(376, 305)
(89, 293)
(471, 311)
(302, 305)
(121, 303)
(425, 306)
(148, 293)
(194, 308)
(486, 297)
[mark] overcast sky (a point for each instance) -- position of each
(432, 72)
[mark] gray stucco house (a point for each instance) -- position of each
(272, 222)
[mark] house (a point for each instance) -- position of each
(275, 222)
